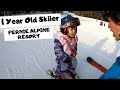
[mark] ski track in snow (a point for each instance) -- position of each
(31, 59)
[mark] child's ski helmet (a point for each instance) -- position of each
(68, 21)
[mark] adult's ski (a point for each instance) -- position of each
(96, 64)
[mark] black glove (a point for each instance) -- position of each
(67, 61)
(70, 59)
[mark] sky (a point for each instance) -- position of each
(30, 59)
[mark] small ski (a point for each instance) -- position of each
(73, 77)
(96, 64)
(50, 72)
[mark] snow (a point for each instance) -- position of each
(30, 59)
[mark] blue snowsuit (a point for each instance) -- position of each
(65, 53)
(113, 72)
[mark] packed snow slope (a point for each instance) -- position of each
(30, 59)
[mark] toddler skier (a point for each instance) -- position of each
(66, 47)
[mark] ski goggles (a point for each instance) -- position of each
(74, 22)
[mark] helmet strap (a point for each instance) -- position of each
(65, 30)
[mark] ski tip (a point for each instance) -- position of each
(89, 59)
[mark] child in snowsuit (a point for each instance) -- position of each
(66, 46)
